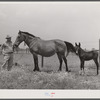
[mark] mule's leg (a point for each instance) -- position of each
(65, 60)
(35, 57)
(97, 64)
(60, 60)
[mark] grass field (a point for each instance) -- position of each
(23, 77)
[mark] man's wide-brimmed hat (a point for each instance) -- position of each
(8, 37)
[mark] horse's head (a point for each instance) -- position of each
(77, 47)
(19, 39)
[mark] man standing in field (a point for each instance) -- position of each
(7, 51)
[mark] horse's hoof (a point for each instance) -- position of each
(8, 69)
(83, 74)
(69, 70)
(80, 72)
(97, 73)
(59, 70)
(36, 70)
(33, 69)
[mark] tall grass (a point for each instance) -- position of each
(22, 76)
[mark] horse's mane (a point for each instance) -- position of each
(29, 34)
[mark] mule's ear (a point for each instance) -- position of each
(79, 44)
(75, 44)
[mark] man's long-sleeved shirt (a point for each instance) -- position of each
(7, 48)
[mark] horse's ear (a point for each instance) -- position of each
(79, 44)
(19, 32)
(75, 44)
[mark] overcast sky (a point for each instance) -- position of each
(69, 21)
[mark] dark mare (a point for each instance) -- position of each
(45, 48)
(86, 56)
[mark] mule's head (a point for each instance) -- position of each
(77, 47)
(19, 39)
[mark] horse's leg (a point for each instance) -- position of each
(65, 60)
(81, 67)
(35, 57)
(60, 60)
(83, 72)
(80, 72)
(97, 64)
(42, 61)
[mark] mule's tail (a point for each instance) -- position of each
(70, 47)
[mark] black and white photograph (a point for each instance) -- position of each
(50, 46)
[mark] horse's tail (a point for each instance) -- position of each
(42, 62)
(70, 47)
